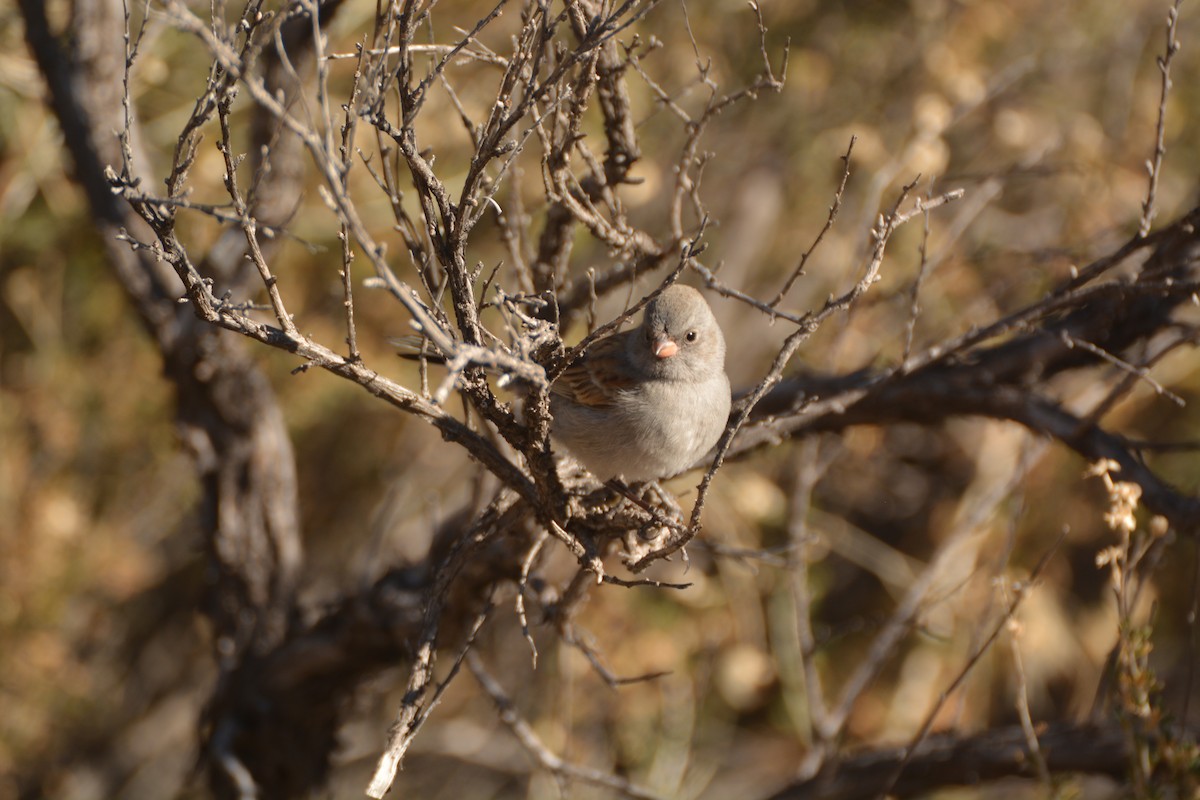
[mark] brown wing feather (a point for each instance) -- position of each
(595, 378)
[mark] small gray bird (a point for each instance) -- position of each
(646, 403)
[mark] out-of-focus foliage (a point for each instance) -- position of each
(1043, 112)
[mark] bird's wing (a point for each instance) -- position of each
(595, 379)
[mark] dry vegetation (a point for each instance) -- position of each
(949, 537)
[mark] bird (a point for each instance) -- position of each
(646, 403)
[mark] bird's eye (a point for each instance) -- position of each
(691, 336)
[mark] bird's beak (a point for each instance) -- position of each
(664, 348)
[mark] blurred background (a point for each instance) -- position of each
(1043, 113)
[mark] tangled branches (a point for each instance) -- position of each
(517, 140)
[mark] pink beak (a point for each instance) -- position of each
(664, 348)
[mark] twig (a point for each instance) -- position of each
(1154, 164)
(800, 505)
(1140, 372)
(411, 714)
(656, 584)
(906, 612)
(1127, 382)
(883, 231)
(522, 584)
(248, 223)
(1020, 591)
(574, 636)
(833, 212)
(349, 127)
(534, 746)
(1031, 741)
(780, 556)
(914, 306)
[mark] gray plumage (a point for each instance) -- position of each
(649, 402)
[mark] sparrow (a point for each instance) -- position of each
(648, 402)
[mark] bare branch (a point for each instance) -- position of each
(536, 749)
(833, 212)
(1154, 164)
